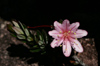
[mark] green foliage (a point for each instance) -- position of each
(36, 40)
(29, 38)
(17, 30)
(41, 39)
(26, 32)
(21, 36)
(16, 24)
(45, 36)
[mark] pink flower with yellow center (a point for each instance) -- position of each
(67, 34)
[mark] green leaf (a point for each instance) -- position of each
(22, 25)
(35, 50)
(21, 36)
(16, 24)
(40, 42)
(35, 38)
(40, 35)
(29, 38)
(43, 52)
(26, 32)
(42, 47)
(17, 30)
(35, 46)
(45, 36)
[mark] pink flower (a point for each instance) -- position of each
(67, 34)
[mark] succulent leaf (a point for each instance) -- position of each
(26, 32)
(45, 36)
(29, 38)
(16, 24)
(21, 36)
(22, 25)
(40, 35)
(35, 46)
(17, 30)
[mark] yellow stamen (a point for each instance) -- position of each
(66, 49)
(74, 33)
(75, 43)
(68, 31)
(58, 40)
(76, 38)
(60, 32)
(58, 35)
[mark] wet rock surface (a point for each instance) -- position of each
(89, 56)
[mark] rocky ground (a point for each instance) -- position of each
(9, 43)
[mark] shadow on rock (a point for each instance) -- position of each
(23, 53)
(53, 57)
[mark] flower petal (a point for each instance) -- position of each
(55, 34)
(66, 48)
(79, 33)
(74, 26)
(58, 26)
(60, 40)
(65, 24)
(56, 43)
(76, 45)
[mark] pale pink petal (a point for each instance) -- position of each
(60, 40)
(74, 26)
(58, 26)
(56, 42)
(76, 45)
(79, 33)
(55, 34)
(65, 24)
(66, 48)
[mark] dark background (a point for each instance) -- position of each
(45, 12)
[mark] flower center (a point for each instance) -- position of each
(66, 34)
